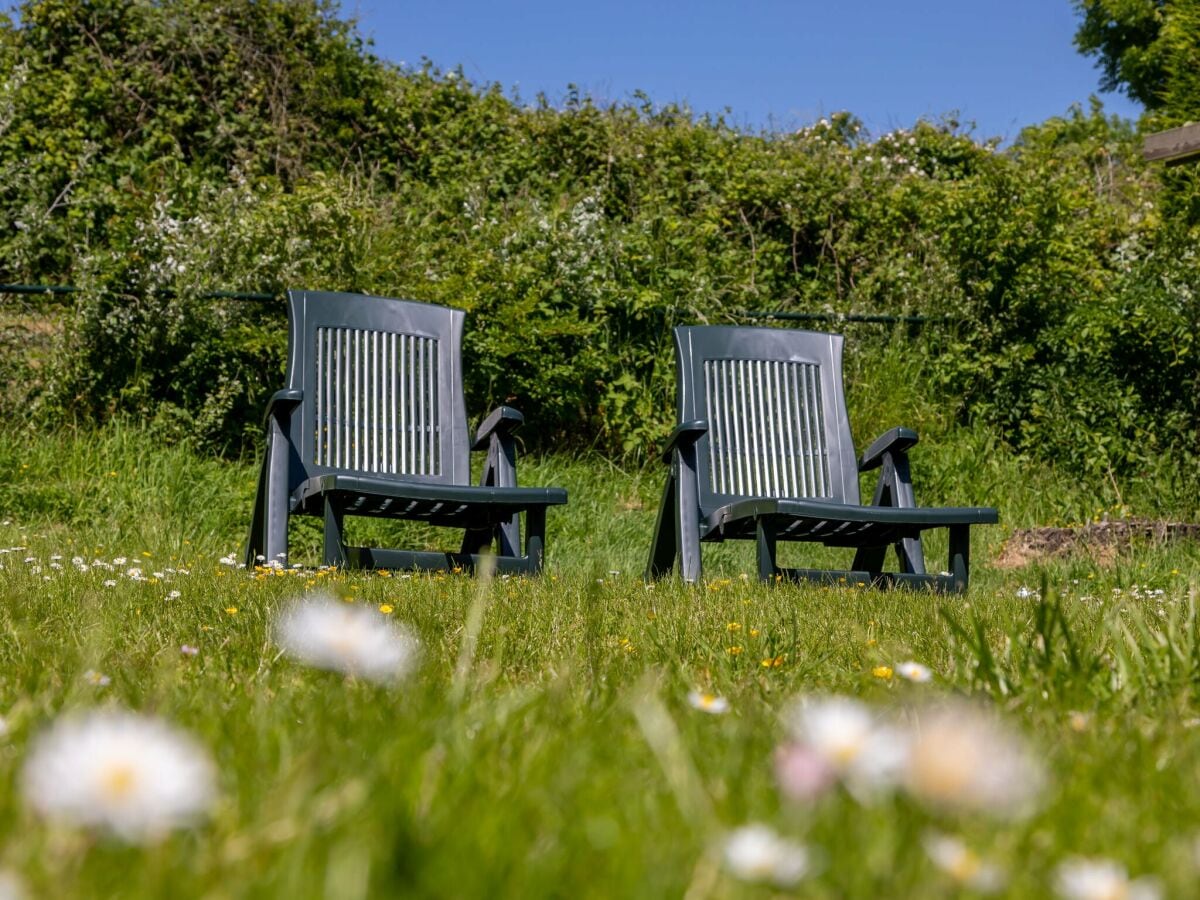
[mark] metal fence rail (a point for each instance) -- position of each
(55, 290)
(59, 290)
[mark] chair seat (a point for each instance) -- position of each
(836, 524)
(460, 506)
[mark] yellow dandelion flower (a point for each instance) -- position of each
(754, 632)
(231, 610)
(386, 608)
(735, 650)
(733, 626)
(884, 672)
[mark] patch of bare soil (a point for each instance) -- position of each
(1102, 541)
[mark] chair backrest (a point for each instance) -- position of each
(382, 388)
(776, 411)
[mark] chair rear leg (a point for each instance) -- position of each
(911, 555)
(335, 545)
(960, 556)
(665, 547)
(766, 546)
(508, 536)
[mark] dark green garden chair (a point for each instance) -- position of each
(372, 423)
(763, 452)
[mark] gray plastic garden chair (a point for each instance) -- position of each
(372, 423)
(763, 452)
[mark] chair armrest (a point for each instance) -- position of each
(685, 433)
(282, 402)
(500, 421)
(898, 440)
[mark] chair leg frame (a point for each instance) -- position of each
(268, 542)
(676, 531)
(472, 557)
(954, 582)
(500, 470)
(677, 537)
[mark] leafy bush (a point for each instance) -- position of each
(575, 237)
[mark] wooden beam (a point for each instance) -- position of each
(1173, 146)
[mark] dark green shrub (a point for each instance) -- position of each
(575, 237)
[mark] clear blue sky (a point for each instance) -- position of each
(1000, 63)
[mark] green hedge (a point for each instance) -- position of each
(574, 236)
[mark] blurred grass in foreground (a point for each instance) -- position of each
(531, 772)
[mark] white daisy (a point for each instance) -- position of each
(709, 703)
(962, 864)
(914, 671)
(756, 853)
(11, 886)
(962, 758)
(803, 775)
(1102, 879)
(135, 776)
(343, 637)
(864, 751)
(97, 679)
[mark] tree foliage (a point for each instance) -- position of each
(156, 150)
(1126, 36)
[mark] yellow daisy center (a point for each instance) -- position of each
(118, 780)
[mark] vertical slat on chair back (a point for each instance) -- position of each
(766, 428)
(773, 400)
(382, 387)
(376, 402)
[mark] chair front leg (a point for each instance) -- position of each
(476, 540)
(687, 509)
(895, 489)
(535, 536)
(500, 470)
(274, 492)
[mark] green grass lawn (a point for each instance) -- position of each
(552, 750)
